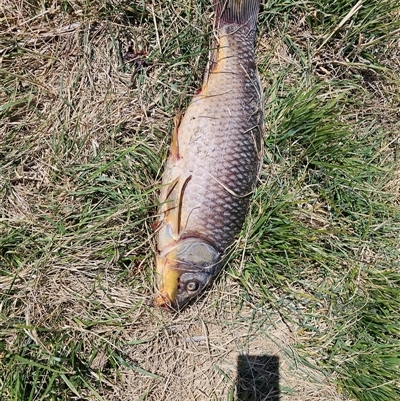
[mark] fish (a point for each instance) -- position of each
(214, 161)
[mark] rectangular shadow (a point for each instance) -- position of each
(257, 378)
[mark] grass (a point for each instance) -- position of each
(313, 279)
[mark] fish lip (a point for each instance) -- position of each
(163, 301)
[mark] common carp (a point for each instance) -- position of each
(214, 161)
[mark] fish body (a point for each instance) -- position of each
(214, 161)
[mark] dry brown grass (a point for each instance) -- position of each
(83, 140)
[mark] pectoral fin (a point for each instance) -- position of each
(172, 206)
(168, 230)
(175, 143)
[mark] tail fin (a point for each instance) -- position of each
(240, 12)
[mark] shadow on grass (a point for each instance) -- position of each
(258, 378)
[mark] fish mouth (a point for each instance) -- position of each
(164, 302)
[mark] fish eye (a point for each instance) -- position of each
(192, 286)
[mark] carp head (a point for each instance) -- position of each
(184, 269)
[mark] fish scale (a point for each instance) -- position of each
(223, 152)
(214, 161)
